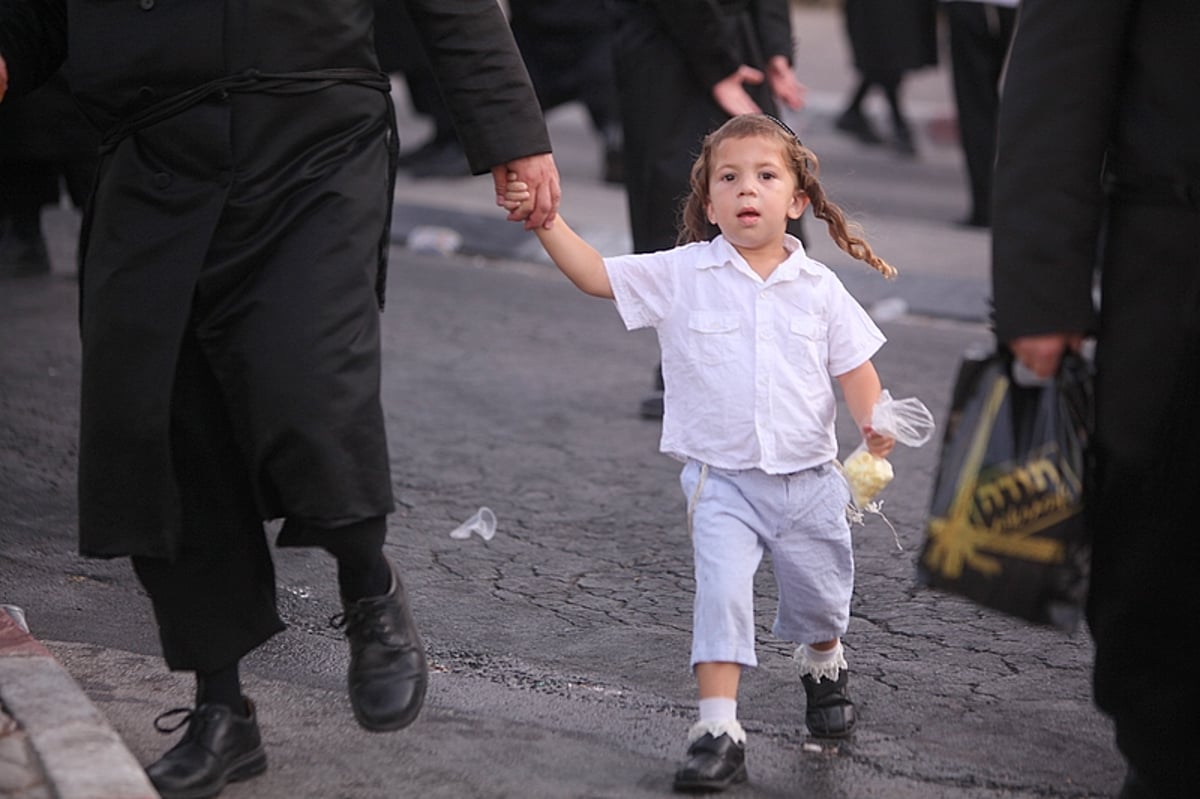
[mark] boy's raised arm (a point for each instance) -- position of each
(577, 259)
(574, 257)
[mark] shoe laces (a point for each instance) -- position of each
(187, 715)
(364, 624)
(160, 722)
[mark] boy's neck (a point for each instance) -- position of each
(764, 262)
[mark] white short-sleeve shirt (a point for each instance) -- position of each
(748, 364)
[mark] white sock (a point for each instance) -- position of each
(718, 708)
(716, 729)
(820, 664)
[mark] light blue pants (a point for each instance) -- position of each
(801, 519)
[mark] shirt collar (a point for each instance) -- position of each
(722, 253)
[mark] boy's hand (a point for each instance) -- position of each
(540, 174)
(877, 443)
(516, 198)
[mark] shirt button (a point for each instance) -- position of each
(146, 4)
(161, 180)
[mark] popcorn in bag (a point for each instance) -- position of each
(906, 420)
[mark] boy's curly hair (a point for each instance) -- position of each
(694, 224)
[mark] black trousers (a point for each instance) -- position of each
(216, 601)
(980, 34)
(1144, 605)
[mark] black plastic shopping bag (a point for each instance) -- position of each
(1005, 526)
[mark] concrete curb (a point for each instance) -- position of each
(53, 741)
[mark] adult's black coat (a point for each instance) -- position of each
(43, 137)
(668, 57)
(1098, 174)
(243, 198)
(45, 126)
(890, 37)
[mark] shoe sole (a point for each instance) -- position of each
(248, 765)
(830, 733)
(395, 724)
(708, 786)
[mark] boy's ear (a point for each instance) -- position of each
(708, 213)
(799, 203)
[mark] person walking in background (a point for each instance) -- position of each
(235, 251)
(1098, 175)
(759, 471)
(683, 68)
(888, 39)
(567, 47)
(979, 32)
(400, 51)
(46, 147)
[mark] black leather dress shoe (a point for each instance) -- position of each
(651, 406)
(713, 764)
(829, 712)
(219, 747)
(855, 122)
(388, 674)
(23, 247)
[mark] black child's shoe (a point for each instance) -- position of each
(219, 747)
(829, 713)
(388, 674)
(715, 760)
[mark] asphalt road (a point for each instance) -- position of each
(559, 648)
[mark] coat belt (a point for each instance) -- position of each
(254, 81)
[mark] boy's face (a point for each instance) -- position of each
(752, 193)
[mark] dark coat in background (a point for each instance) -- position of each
(891, 37)
(1098, 172)
(43, 136)
(243, 202)
(567, 46)
(668, 57)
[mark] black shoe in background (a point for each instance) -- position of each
(23, 250)
(904, 143)
(652, 405)
(855, 122)
(218, 747)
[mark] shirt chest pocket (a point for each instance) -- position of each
(713, 336)
(807, 343)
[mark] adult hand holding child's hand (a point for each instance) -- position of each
(539, 174)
